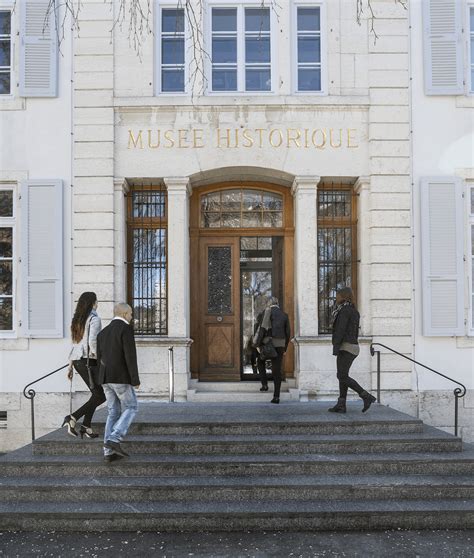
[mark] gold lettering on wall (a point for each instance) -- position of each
(235, 138)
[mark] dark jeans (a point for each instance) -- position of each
(276, 371)
(344, 361)
(97, 393)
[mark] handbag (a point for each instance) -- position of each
(267, 350)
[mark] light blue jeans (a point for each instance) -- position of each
(122, 406)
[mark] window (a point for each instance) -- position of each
(7, 236)
(471, 46)
(241, 58)
(308, 48)
(241, 208)
(172, 50)
(5, 52)
(337, 248)
(471, 258)
(147, 257)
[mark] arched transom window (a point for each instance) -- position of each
(244, 208)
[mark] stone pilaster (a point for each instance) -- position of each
(362, 188)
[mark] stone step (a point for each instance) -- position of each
(237, 516)
(249, 386)
(21, 463)
(430, 440)
(235, 489)
(339, 426)
(203, 396)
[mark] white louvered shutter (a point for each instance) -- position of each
(442, 233)
(443, 47)
(39, 50)
(42, 258)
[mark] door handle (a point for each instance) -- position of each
(219, 318)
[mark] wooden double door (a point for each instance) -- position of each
(233, 272)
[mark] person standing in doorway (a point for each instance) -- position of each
(345, 342)
(276, 330)
(85, 328)
(118, 373)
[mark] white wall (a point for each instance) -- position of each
(443, 143)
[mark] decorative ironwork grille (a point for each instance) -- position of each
(147, 260)
(337, 249)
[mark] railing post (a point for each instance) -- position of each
(171, 374)
(373, 352)
(378, 376)
(32, 393)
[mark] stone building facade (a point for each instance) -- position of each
(286, 168)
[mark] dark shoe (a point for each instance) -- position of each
(70, 422)
(368, 399)
(339, 407)
(87, 432)
(115, 446)
(113, 457)
(264, 388)
(275, 400)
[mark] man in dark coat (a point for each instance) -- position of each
(118, 373)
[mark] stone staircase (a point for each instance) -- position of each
(239, 392)
(245, 466)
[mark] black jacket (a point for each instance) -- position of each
(345, 327)
(280, 327)
(117, 355)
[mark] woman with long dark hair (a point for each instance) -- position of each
(345, 342)
(85, 327)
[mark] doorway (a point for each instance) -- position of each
(241, 253)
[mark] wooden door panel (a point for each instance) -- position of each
(219, 308)
(220, 343)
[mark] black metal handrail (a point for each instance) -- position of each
(458, 392)
(31, 394)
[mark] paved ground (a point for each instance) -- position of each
(388, 544)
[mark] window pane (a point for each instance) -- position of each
(172, 51)
(472, 50)
(6, 242)
(224, 80)
(219, 280)
(230, 220)
(224, 19)
(172, 80)
(253, 219)
(472, 201)
(257, 49)
(472, 20)
(224, 50)
(6, 203)
(252, 201)
(211, 202)
(5, 23)
(258, 80)
(309, 80)
(272, 219)
(334, 203)
(308, 19)
(6, 314)
(309, 49)
(6, 275)
(472, 244)
(4, 83)
(231, 200)
(257, 19)
(148, 204)
(211, 220)
(472, 78)
(172, 21)
(5, 53)
(272, 202)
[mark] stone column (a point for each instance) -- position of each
(121, 188)
(306, 255)
(362, 188)
(305, 189)
(179, 190)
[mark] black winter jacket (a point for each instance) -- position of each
(345, 328)
(280, 327)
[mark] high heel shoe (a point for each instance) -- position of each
(275, 400)
(264, 388)
(70, 422)
(87, 432)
